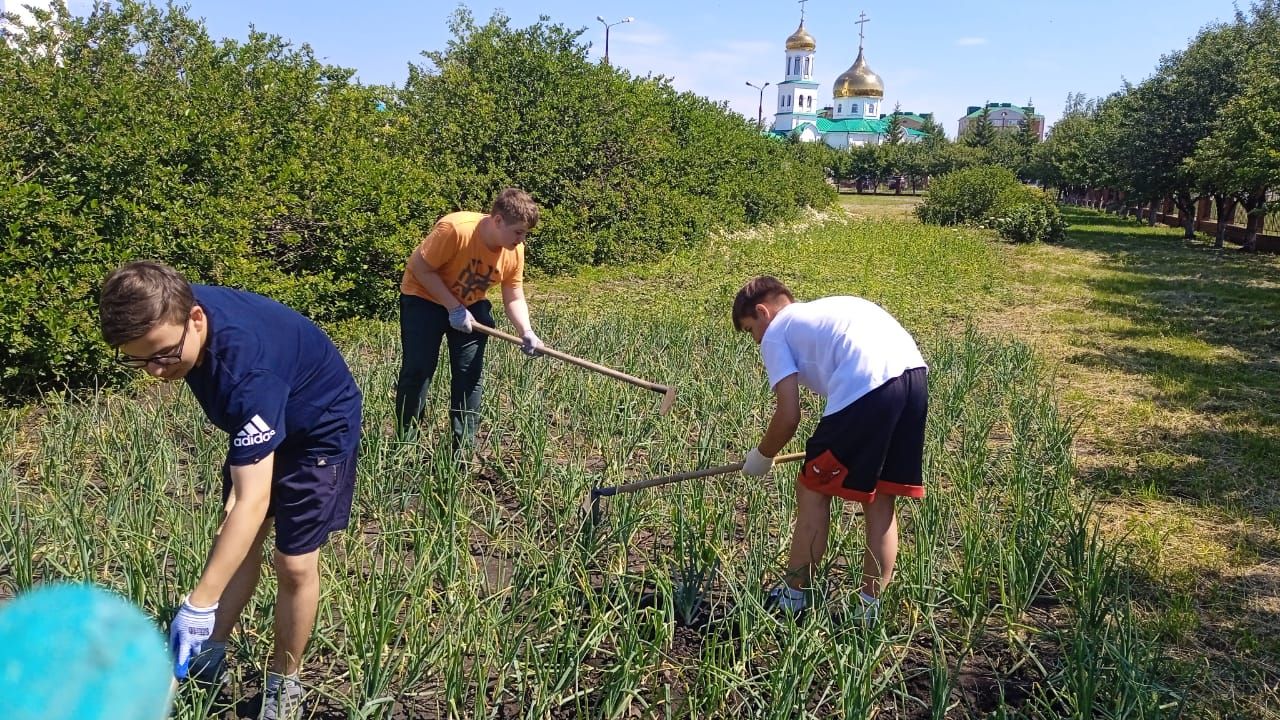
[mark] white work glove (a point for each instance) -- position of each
(460, 319)
(756, 465)
(531, 344)
(190, 628)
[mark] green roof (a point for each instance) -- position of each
(853, 125)
(879, 126)
(992, 107)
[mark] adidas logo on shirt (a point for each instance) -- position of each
(254, 432)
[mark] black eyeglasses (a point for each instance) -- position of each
(173, 357)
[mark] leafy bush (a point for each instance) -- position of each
(1027, 214)
(628, 166)
(965, 196)
(130, 133)
(993, 197)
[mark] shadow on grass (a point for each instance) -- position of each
(1227, 624)
(1201, 325)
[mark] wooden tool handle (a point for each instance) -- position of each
(690, 475)
(572, 360)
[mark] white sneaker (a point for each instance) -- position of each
(784, 599)
(868, 611)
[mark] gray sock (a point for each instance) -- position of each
(288, 683)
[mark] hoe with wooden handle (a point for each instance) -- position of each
(668, 393)
(591, 507)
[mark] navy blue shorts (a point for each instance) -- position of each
(875, 445)
(310, 498)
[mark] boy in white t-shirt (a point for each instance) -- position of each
(869, 445)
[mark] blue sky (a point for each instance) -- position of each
(933, 57)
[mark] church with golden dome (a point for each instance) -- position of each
(856, 115)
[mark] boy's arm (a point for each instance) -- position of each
(247, 509)
(786, 416)
(517, 309)
(431, 280)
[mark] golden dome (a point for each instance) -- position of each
(801, 39)
(859, 81)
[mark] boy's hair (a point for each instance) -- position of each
(515, 206)
(140, 295)
(757, 290)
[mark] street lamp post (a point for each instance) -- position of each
(760, 107)
(608, 25)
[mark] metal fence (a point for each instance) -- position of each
(1166, 212)
(1270, 224)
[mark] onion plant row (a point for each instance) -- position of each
(474, 589)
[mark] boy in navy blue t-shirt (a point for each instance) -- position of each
(279, 388)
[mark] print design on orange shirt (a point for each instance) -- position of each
(475, 277)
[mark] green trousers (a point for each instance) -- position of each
(423, 324)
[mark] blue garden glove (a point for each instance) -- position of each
(190, 628)
(460, 319)
(532, 345)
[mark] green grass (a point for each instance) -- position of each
(882, 206)
(476, 590)
(1168, 351)
(1200, 326)
(927, 277)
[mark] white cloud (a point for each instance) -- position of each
(637, 39)
(971, 41)
(19, 8)
(720, 70)
(717, 70)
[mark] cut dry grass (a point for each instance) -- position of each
(880, 207)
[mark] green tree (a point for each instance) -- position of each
(1078, 155)
(1040, 167)
(1006, 151)
(1165, 117)
(1027, 136)
(1239, 156)
(914, 163)
(1027, 140)
(932, 131)
(980, 132)
(894, 132)
(866, 165)
(956, 156)
(614, 158)
(129, 132)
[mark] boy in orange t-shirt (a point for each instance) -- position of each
(442, 295)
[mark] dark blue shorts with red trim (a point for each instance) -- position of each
(875, 445)
(310, 498)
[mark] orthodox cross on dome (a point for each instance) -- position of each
(802, 2)
(861, 23)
